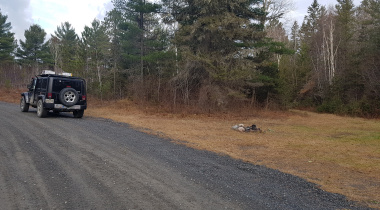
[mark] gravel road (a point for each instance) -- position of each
(61, 162)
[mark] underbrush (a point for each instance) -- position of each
(363, 108)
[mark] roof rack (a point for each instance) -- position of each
(50, 72)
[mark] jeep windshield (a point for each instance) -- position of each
(59, 84)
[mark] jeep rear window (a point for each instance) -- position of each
(59, 84)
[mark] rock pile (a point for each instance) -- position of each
(242, 128)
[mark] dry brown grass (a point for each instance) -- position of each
(10, 95)
(340, 154)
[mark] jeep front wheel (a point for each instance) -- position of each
(41, 111)
(23, 105)
(68, 96)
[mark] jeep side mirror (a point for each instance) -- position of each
(28, 86)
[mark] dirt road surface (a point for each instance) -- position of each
(61, 162)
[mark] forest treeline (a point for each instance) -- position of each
(213, 55)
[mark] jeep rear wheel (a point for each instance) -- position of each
(68, 96)
(41, 111)
(23, 105)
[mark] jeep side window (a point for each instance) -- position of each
(38, 83)
(32, 84)
(44, 83)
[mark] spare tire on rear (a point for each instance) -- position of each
(68, 96)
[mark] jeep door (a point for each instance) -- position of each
(31, 95)
(40, 89)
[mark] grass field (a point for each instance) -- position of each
(339, 154)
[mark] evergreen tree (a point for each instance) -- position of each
(67, 46)
(310, 24)
(97, 46)
(145, 52)
(295, 36)
(139, 14)
(34, 51)
(7, 40)
(368, 55)
(310, 52)
(293, 72)
(131, 49)
(112, 23)
(345, 31)
(349, 78)
(223, 47)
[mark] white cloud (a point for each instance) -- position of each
(49, 14)
(19, 14)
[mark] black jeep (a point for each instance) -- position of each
(58, 93)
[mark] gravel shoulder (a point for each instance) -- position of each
(61, 162)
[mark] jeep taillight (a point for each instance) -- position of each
(49, 95)
(83, 97)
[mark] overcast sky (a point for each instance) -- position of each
(51, 13)
(302, 5)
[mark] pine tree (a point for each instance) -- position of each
(67, 46)
(112, 23)
(310, 23)
(137, 12)
(368, 55)
(309, 52)
(349, 79)
(345, 30)
(97, 45)
(34, 51)
(7, 40)
(223, 46)
(295, 36)
(145, 48)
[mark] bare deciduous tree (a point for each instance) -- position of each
(277, 9)
(329, 51)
